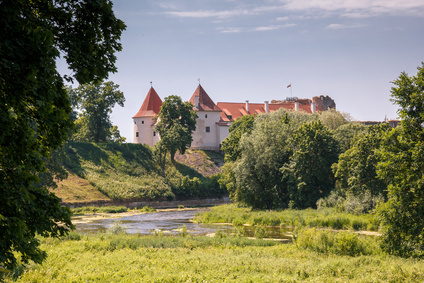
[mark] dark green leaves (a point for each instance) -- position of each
(176, 122)
(402, 166)
(35, 109)
(95, 101)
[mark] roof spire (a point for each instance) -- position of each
(199, 80)
(151, 84)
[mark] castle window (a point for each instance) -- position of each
(142, 122)
(154, 133)
(136, 134)
(206, 115)
(208, 129)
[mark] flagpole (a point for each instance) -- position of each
(291, 90)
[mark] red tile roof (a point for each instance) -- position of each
(205, 102)
(151, 105)
(233, 110)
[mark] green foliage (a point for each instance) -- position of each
(346, 133)
(227, 180)
(183, 231)
(175, 124)
(117, 228)
(35, 109)
(322, 218)
(102, 209)
(332, 119)
(264, 151)
(129, 171)
(308, 174)
(128, 258)
(339, 243)
(297, 143)
(120, 171)
(402, 159)
(230, 145)
(355, 204)
(95, 103)
(189, 186)
(356, 171)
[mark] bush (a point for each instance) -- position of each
(355, 204)
(117, 228)
(340, 243)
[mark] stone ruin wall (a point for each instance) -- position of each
(324, 103)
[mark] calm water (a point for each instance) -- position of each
(170, 222)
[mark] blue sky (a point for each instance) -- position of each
(251, 50)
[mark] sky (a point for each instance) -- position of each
(350, 50)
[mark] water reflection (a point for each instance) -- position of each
(170, 222)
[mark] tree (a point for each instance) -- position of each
(332, 119)
(175, 124)
(346, 133)
(35, 109)
(230, 145)
(263, 152)
(308, 174)
(356, 170)
(402, 159)
(95, 101)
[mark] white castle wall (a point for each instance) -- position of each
(203, 139)
(143, 127)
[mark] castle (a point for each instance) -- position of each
(214, 119)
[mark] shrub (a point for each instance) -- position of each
(260, 232)
(340, 243)
(117, 228)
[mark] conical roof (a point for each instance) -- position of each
(151, 105)
(205, 102)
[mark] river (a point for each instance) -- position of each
(169, 222)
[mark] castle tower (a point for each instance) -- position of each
(144, 128)
(207, 133)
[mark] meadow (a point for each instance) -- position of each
(316, 254)
(118, 257)
(321, 218)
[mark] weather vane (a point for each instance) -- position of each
(199, 80)
(151, 84)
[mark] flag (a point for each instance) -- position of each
(289, 86)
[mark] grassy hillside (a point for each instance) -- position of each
(129, 171)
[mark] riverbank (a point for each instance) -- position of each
(138, 203)
(105, 173)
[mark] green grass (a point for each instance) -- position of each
(129, 171)
(136, 258)
(120, 171)
(322, 218)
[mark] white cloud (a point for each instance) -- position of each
(209, 13)
(358, 8)
(323, 8)
(282, 19)
(343, 26)
(230, 30)
(273, 27)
